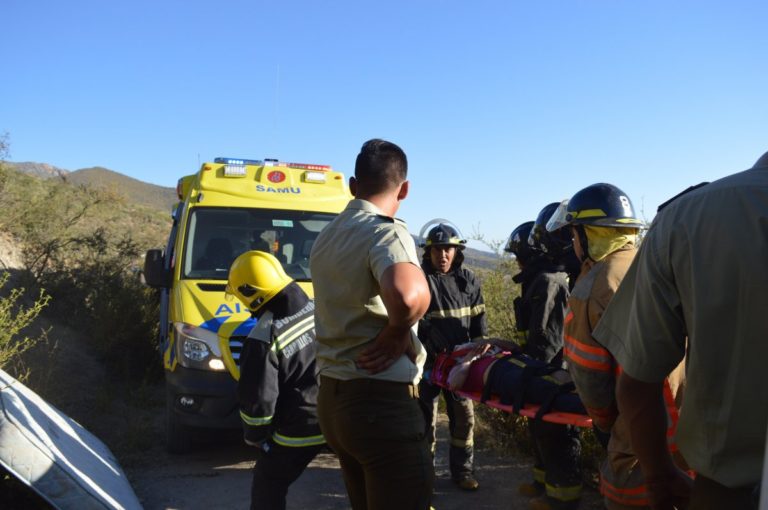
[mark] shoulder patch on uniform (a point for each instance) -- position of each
(262, 331)
(687, 190)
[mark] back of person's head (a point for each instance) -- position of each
(381, 166)
(518, 245)
(555, 246)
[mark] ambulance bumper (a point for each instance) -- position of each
(200, 398)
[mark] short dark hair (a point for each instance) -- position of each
(380, 166)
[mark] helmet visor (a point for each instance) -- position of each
(559, 218)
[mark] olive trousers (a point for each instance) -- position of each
(378, 431)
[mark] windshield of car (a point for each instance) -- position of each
(216, 236)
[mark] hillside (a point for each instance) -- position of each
(135, 191)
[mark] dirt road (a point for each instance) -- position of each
(218, 477)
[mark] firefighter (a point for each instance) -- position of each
(277, 388)
(539, 315)
(604, 226)
(456, 315)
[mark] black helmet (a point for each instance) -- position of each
(601, 205)
(446, 235)
(518, 241)
(554, 244)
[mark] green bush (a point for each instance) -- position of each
(15, 318)
(107, 302)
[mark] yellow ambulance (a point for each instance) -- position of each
(229, 207)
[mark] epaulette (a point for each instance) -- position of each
(687, 190)
(389, 219)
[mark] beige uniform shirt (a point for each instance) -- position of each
(347, 261)
(702, 272)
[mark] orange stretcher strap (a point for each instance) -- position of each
(529, 411)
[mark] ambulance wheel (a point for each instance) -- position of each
(178, 437)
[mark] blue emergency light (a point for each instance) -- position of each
(236, 161)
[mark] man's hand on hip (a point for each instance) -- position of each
(388, 346)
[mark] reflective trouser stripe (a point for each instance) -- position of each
(256, 420)
(539, 475)
(564, 493)
(633, 496)
(462, 443)
(298, 441)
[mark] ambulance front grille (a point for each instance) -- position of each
(236, 347)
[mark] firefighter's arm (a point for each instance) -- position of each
(544, 343)
(596, 390)
(593, 371)
(643, 405)
(258, 389)
(478, 324)
(405, 294)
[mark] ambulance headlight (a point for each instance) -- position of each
(194, 350)
(197, 348)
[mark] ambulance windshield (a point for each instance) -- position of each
(217, 235)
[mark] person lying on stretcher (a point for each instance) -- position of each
(498, 369)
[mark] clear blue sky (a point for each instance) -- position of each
(501, 106)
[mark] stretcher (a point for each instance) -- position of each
(530, 411)
(517, 380)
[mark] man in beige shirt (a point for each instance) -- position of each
(369, 294)
(698, 289)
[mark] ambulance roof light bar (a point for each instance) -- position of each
(271, 162)
(238, 161)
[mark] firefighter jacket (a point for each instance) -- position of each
(277, 387)
(591, 365)
(594, 370)
(456, 312)
(540, 311)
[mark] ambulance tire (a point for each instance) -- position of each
(178, 437)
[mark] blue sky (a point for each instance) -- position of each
(501, 106)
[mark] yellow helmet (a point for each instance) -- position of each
(256, 277)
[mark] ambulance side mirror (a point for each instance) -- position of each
(155, 275)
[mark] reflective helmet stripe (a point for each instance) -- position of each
(589, 213)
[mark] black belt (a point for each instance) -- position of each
(366, 385)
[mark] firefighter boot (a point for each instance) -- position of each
(531, 489)
(467, 482)
(540, 503)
